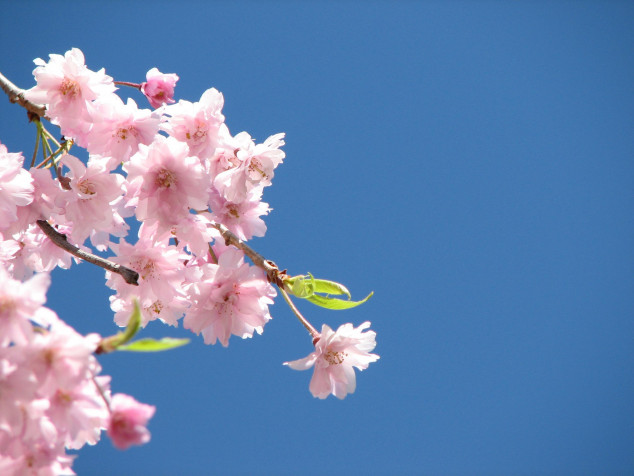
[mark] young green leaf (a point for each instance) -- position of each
(134, 323)
(112, 343)
(334, 303)
(330, 287)
(152, 345)
(300, 287)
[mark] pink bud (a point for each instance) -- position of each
(128, 419)
(159, 87)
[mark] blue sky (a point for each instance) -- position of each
(469, 162)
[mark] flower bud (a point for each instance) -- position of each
(159, 87)
(128, 421)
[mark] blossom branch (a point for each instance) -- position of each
(127, 83)
(130, 276)
(312, 331)
(272, 271)
(16, 95)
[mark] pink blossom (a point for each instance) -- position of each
(225, 156)
(45, 193)
(17, 385)
(62, 358)
(89, 205)
(38, 457)
(165, 182)
(21, 304)
(50, 398)
(194, 233)
(128, 421)
(16, 186)
(80, 412)
(161, 275)
(119, 128)
(37, 253)
(66, 86)
(335, 355)
(197, 124)
(242, 218)
(254, 171)
(228, 298)
(159, 87)
(8, 249)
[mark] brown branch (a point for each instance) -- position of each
(16, 95)
(130, 276)
(311, 330)
(272, 271)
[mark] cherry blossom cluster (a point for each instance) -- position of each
(52, 397)
(178, 170)
(189, 183)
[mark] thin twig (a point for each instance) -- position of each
(130, 276)
(313, 332)
(272, 271)
(127, 83)
(16, 95)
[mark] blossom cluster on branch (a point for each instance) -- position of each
(196, 191)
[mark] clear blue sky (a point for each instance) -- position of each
(470, 162)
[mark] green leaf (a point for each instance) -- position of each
(112, 343)
(305, 286)
(133, 324)
(334, 303)
(300, 287)
(152, 345)
(330, 287)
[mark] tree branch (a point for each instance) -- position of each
(130, 276)
(16, 95)
(272, 271)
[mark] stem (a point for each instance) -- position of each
(125, 83)
(313, 332)
(16, 95)
(50, 136)
(102, 393)
(37, 144)
(214, 258)
(129, 276)
(272, 271)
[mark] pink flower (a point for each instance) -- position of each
(16, 186)
(62, 358)
(335, 355)
(51, 397)
(255, 169)
(128, 421)
(37, 457)
(46, 191)
(37, 253)
(79, 412)
(119, 128)
(90, 203)
(161, 274)
(241, 218)
(197, 124)
(159, 87)
(165, 182)
(21, 303)
(228, 298)
(17, 385)
(66, 86)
